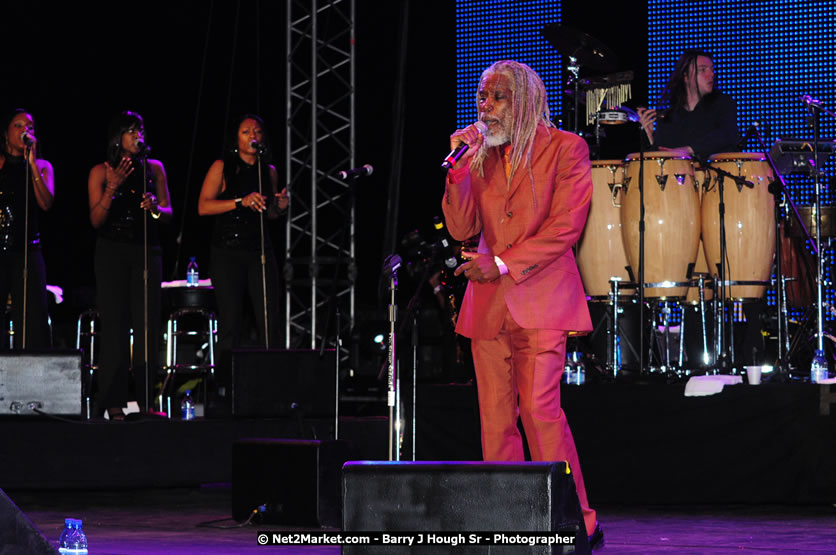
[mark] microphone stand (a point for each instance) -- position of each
(778, 189)
(263, 257)
(25, 301)
(641, 254)
(144, 162)
(723, 360)
(390, 266)
(333, 305)
(814, 109)
(411, 317)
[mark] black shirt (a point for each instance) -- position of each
(240, 228)
(13, 206)
(711, 127)
(124, 221)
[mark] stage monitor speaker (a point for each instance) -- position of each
(277, 383)
(297, 481)
(462, 497)
(48, 382)
(17, 533)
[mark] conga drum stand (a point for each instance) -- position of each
(724, 361)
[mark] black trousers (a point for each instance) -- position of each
(11, 281)
(119, 292)
(236, 277)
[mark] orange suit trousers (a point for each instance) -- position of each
(518, 376)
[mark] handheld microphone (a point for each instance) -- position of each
(362, 171)
(459, 151)
(27, 138)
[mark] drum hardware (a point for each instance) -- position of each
(614, 343)
(614, 116)
(581, 50)
(793, 156)
(614, 90)
(666, 312)
(615, 337)
(706, 360)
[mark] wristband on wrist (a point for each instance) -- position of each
(503, 269)
(238, 203)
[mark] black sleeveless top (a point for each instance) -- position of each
(13, 206)
(239, 229)
(124, 219)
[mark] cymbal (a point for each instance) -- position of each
(589, 51)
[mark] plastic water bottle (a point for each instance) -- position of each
(580, 369)
(62, 539)
(187, 406)
(80, 546)
(192, 277)
(72, 541)
(818, 368)
(569, 370)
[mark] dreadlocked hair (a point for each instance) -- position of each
(530, 109)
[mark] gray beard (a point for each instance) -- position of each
(497, 139)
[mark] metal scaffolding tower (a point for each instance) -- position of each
(319, 248)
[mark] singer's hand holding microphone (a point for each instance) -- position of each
(463, 144)
(29, 141)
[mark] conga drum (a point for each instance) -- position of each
(600, 253)
(672, 219)
(750, 222)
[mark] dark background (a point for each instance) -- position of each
(189, 67)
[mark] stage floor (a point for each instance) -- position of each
(168, 521)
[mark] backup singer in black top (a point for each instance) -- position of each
(119, 202)
(230, 192)
(18, 130)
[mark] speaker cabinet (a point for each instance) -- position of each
(277, 383)
(461, 497)
(297, 481)
(47, 381)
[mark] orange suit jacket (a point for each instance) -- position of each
(531, 225)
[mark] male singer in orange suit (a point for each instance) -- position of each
(525, 187)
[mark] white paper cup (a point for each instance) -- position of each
(753, 373)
